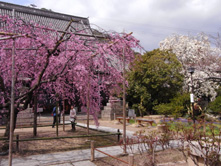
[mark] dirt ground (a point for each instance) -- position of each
(57, 145)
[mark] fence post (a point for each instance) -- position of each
(118, 135)
(17, 143)
(131, 159)
(92, 150)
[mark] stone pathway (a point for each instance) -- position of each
(75, 157)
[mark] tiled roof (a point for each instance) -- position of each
(47, 18)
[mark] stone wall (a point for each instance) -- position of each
(25, 118)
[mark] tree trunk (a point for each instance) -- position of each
(141, 113)
(35, 116)
(7, 130)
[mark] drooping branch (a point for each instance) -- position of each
(54, 77)
(38, 83)
(58, 43)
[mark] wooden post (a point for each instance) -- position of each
(92, 150)
(57, 105)
(17, 143)
(124, 105)
(12, 101)
(35, 116)
(63, 115)
(131, 159)
(88, 103)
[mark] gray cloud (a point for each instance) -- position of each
(150, 20)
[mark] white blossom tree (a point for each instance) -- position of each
(198, 52)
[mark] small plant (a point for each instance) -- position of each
(201, 144)
(145, 144)
(131, 121)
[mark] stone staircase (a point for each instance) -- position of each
(113, 109)
(25, 118)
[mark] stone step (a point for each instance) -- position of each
(25, 115)
(107, 108)
(107, 111)
(110, 117)
(105, 114)
(107, 119)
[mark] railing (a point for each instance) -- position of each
(93, 149)
(17, 140)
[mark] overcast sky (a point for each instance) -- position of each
(150, 20)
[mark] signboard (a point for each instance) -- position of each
(191, 98)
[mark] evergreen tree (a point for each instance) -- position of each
(154, 79)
